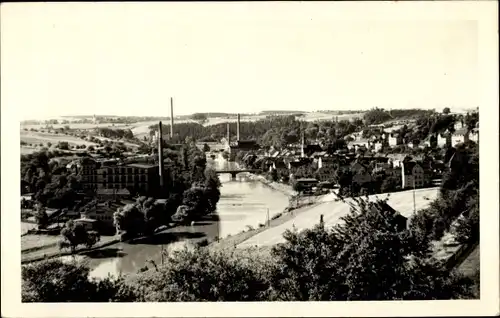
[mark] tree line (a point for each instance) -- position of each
(276, 131)
(191, 191)
(369, 255)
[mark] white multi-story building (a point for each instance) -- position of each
(394, 140)
(460, 136)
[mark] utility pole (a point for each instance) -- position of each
(160, 156)
(268, 220)
(414, 207)
(161, 254)
(171, 118)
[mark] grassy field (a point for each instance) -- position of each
(333, 211)
(25, 227)
(78, 126)
(31, 241)
(35, 138)
(25, 150)
(41, 245)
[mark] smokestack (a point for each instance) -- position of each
(302, 154)
(160, 155)
(228, 134)
(238, 128)
(171, 118)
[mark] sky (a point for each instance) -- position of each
(129, 58)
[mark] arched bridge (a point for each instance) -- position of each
(235, 172)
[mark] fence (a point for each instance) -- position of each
(460, 255)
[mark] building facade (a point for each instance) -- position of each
(460, 136)
(412, 174)
(95, 175)
(394, 140)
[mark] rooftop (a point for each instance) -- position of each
(141, 165)
(307, 180)
(85, 220)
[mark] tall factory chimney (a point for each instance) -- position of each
(171, 118)
(302, 154)
(238, 128)
(160, 155)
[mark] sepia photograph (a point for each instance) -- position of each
(280, 154)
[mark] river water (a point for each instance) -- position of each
(243, 203)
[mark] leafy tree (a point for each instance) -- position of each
(197, 274)
(458, 198)
(55, 281)
(376, 116)
(368, 256)
(196, 201)
(63, 145)
(390, 183)
(344, 180)
(41, 217)
(182, 215)
(199, 117)
(115, 133)
(296, 186)
(467, 228)
(75, 234)
(130, 219)
(471, 119)
(274, 175)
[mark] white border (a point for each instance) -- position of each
(485, 12)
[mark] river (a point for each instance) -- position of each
(243, 203)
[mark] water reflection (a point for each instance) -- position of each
(243, 203)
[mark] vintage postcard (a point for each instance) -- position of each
(249, 159)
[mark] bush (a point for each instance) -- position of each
(467, 228)
(194, 274)
(203, 242)
(55, 281)
(274, 217)
(63, 145)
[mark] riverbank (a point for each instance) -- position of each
(231, 244)
(283, 188)
(55, 252)
(52, 251)
(288, 214)
(294, 207)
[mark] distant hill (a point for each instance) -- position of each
(281, 112)
(340, 112)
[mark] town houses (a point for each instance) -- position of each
(366, 160)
